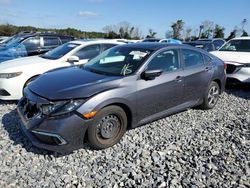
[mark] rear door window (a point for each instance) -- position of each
(192, 58)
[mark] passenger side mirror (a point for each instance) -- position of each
(151, 74)
(73, 59)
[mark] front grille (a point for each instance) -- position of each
(230, 68)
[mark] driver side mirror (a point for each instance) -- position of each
(151, 74)
(73, 59)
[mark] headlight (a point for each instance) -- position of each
(60, 108)
(10, 75)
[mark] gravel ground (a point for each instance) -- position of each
(194, 148)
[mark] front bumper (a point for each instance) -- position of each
(11, 89)
(62, 134)
(239, 72)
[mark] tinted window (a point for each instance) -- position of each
(65, 39)
(207, 59)
(60, 51)
(51, 41)
(166, 61)
(236, 45)
(208, 47)
(88, 52)
(218, 43)
(32, 43)
(107, 46)
(192, 58)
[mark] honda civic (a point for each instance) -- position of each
(122, 88)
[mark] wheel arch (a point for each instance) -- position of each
(30, 79)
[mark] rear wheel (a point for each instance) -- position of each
(109, 125)
(211, 97)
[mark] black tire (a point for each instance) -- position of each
(109, 125)
(211, 96)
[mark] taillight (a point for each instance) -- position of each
(225, 66)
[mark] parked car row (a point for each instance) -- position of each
(28, 44)
(207, 44)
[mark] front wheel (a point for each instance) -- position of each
(109, 125)
(211, 97)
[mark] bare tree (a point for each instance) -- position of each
(208, 29)
(243, 23)
(177, 28)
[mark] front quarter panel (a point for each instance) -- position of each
(123, 94)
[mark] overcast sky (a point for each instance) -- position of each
(93, 15)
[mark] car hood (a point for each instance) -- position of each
(240, 57)
(72, 83)
(21, 63)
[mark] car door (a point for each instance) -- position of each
(32, 45)
(87, 53)
(196, 74)
(163, 92)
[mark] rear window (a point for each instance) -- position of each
(51, 41)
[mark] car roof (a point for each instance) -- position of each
(25, 35)
(94, 41)
(241, 38)
(149, 45)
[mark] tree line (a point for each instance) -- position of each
(126, 30)
(9, 30)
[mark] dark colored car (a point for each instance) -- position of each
(28, 44)
(124, 87)
(207, 44)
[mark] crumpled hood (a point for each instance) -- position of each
(240, 57)
(72, 83)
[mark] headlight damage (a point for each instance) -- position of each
(61, 107)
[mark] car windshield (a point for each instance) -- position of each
(60, 51)
(237, 46)
(12, 40)
(118, 61)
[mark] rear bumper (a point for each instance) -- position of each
(62, 135)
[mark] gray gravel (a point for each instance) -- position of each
(194, 148)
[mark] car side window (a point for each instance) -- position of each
(107, 46)
(51, 41)
(207, 59)
(88, 52)
(166, 61)
(192, 58)
(32, 43)
(218, 44)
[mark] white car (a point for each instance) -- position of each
(16, 74)
(236, 54)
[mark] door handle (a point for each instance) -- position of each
(208, 68)
(178, 79)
